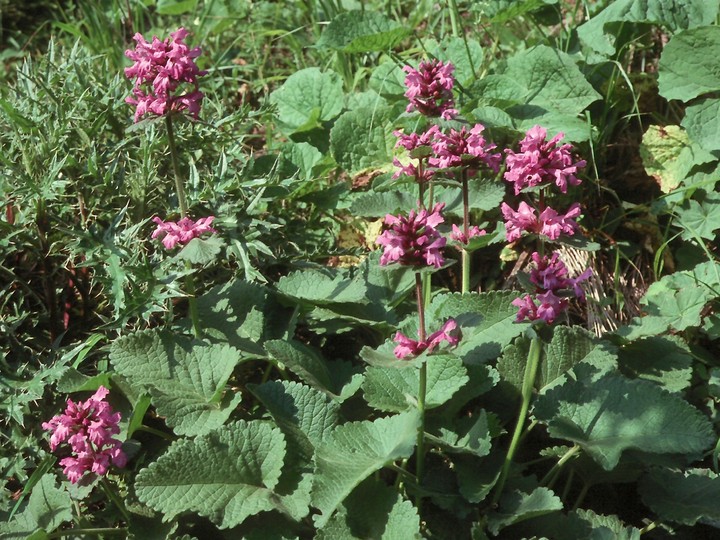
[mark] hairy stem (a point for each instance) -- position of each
(420, 453)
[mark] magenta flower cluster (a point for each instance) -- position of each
(429, 89)
(183, 231)
(413, 240)
(411, 348)
(88, 427)
(552, 289)
(464, 148)
(160, 69)
(541, 162)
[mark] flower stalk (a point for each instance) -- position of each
(422, 387)
(533, 361)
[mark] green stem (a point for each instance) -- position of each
(549, 479)
(113, 496)
(533, 361)
(465, 255)
(182, 202)
(454, 16)
(179, 185)
(420, 453)
(93, 530)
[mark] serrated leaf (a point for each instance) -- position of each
(686, 69)
(175, 7)
(373, 510)
(672, 14)
(681, 497)
(353, 451)
(613, 414)
(611, 523)
(518, 506)
(387, 79)
(242, 314)
(323, 287)
(464, 53)
(226, 475)
(360, 140)
(475, 440)
(379, 204)
(295, 406)
(702, 124)
(569, 346)
(201, 251)
(665, 360)
(362, 31)
(303, 361)
(487, 321)
(304, 156)
(395, 390)
(307, 97)
(700, 219)
(185, 378)
(48, 505)
(541, 77)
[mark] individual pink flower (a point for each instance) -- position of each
(183, 231)
(429, 89)
(421, 175)
(549, 223)
(88, 427)
(413, 240)
(540, 162)
(464, 148)
(413, 140)
(552, 288)
(458, 235)
(418, 167)
(159, 69)
(410, 347)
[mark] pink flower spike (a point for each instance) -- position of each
(540, 162)
(554, 224)
(88, 427)
(183, 231)
(464, 148)
(410, 348)
(413, 240)
(458, 235)
(159, 70)
(518, 222)
(429, 89)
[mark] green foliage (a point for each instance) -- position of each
(362, 32)
(681, 498)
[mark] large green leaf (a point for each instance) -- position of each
(700, 218)
(307, 98)
(362, 139)
(362, 31)
(487, 321)
(379, 204)
(353, 451)
(702, 124)
(186, 378)
(395, 390)
(674, 15)
(542, 77)
(48, 507)
(322, 287)
(613, 414)
(464, 53)
(517, 506)
(226, 475)
(666, 360)
(373, 510)
(687, 68)
(682, 497)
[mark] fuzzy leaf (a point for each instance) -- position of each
(700, 218)
(362, 31)
(517, 506)
(362, 139)
(687, 67)
(394, 390)
(681, 497)
(487, 321)
(322, 287)
(379, 204)
(465, 54)
(661, 151)
(186, 378)
(201, 250)
(355, 450)
(672, 14)
(226, 475)
(308, 97)
(373, 510)
(613, 414)
(665, 360)
(303, 361)
(702, 124)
